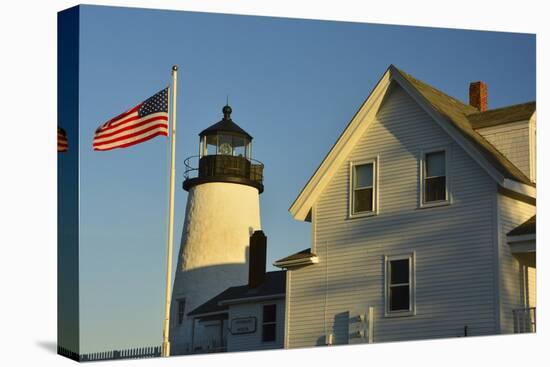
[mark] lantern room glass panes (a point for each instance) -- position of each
(221, 144)
(239, 147)
(435, 177)
(211, 146)
(225, 145)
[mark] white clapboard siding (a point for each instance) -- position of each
(512, 140)
(253, 341)
(532, 284)
(454, 245)
(512, 214)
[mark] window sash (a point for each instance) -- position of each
(358, 204)
(434, 187)
(269, 332)
(362, 205)
(356, 179)
(269, 314)
(269, 323)
(395, 304)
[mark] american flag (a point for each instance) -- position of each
(141, 123)
(62, 142)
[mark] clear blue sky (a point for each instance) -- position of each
(292, 84)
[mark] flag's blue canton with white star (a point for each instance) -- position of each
(154, 104)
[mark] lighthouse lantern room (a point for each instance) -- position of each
(225, 155)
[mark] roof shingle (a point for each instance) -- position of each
(504, 115)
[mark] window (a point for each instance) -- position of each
(434, 177)
(363, 188)
(181, 310)
(211, 146)
(225, 144)
(399, 285)
(269, 323)
(239, 147)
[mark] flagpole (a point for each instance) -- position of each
(166, 329)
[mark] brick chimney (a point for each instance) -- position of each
(256, 262)
(478, 95)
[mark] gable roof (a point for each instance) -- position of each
(450, 113)
(503, 115)
(274, 284)
(457, 113)
(527, 227)
(301, 258)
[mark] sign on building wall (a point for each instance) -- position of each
(243, 325)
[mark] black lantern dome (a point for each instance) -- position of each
(226, 125)
(225, 155)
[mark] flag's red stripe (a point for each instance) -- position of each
(62, 146)
(122, 115)
(62, 142)
(134, 142)
(124, 137)
(118, 123)
(130, 127)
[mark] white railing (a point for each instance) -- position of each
(525, 320)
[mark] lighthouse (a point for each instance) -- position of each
(222, 212)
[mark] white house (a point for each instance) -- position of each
(243, 317)
(422, 222)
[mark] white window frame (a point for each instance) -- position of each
(269, 323)
(375, 175)
(421, 165)
(412, 285)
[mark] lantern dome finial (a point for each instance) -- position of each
(227, 112)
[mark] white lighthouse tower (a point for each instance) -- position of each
(223, 210)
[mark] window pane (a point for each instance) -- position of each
(268, 333)
(363, 175)
(399, 298)
(434, 189)
(399, 271)
(270, 313)
(362, 201)
(239, 145)
(211, 145)
(225, 144)
(435, 164)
